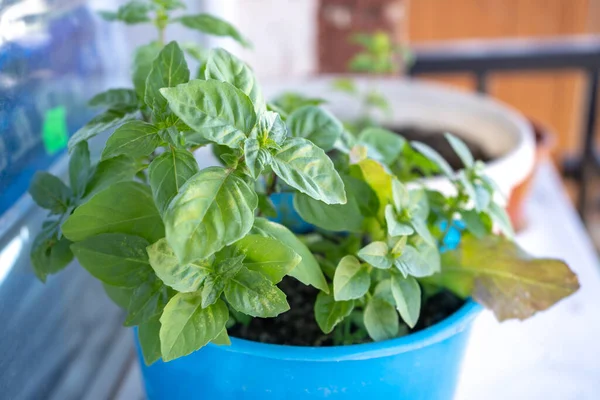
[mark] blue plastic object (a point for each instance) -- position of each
(424, 365)
(287, 215)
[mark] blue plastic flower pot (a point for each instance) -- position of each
(423, 365)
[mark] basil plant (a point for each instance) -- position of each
(189, 251)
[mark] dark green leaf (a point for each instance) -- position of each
(111, 171)
(80, 170)
(125, 207)
(186, 326)
(49, 192)
(148, 300)
(407, 295)
(213, 209)
(108, 120)
(168, 172)
(211, 25)
(134, 12)
(351, 280)
(381, 320)
(308, 270)
(121, 296)
(114, 258)
(142, 64)
(306, 167)
(134, 138)
(149, 337)
(49, 254)
(266, 206)
(115, 99)
(329, 312)
(253, 294)
(216, 110)
(315, 124)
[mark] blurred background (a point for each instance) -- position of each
(63, 340)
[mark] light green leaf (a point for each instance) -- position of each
(329, 313)
(49, 192)
(211, 25)
(212, 289)
(142, 64)
(270, 130)
(375, 175)
(108, 172)
(251, 293)
(170, 4)
(407, 295)
(351, 280)
(125, 207)
(315, 124)
(382, 145)
(423, 231)
(478, 224)
(80, 170)
(346, 85)
(181, 277)
(418, 262)
(381, 320)
(133, 12)
(114, 258)
(222, 339)
(257, 159)
(434, 156)
(168, 172)
(134, 138)
(148, 300)
(288, 102)
(217, 110)
(115, 99)
(275, 263)
(107, 120)
(501, 219)
(483, 198)
(225, 67)
(376, 254)
(213, 209)
(395, 227)
(498, 274)
(461, 149)
(383, 290)
(168, 70)
(186, 326)
(305, 167)
(49, 254)
(149, 338)
(308, 270)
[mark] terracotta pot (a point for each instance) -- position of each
(545, 141)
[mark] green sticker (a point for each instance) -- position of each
(55, 133)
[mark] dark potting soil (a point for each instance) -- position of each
(297, 327)
(436, 140)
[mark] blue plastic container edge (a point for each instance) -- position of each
(454, 324)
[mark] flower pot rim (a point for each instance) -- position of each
(444, 329)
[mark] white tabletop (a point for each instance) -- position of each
(554, 355)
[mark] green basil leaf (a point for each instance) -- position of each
(212, 289)
(274, 264)
(80, 170)
(395, 227)
(50, 192)
(375, 175)
(186, 326)
(306, 167)
(225, 67)
(125, 207)
(168, 172)
(419, 263)
(148, 300)
(170, 4)
(478, 224)
(270, 130)
(376, 254)
(421, 228)
(115, 99)
(251, 293)
(315, 124)
(382, 145)
(461, 149)
(434, 156)
(149, 338)
(108, 172)
(211, 25)
(49, 253)
(133, 12)
(108, 120)
(217, 110)
(181, 277)
(142, 64)
(500, 275)
(308, 270)
(351, 280)
(483, 198)
(222, 339)
(381, 320)
(134, 138)
(346, 85)
(289, 102)
(257, 159)
(169, 69)
(407, 295)
(501, 219)
(114, 258)
(121, 296)
(383, 290)
(266, 206)
(329, 313)
(213, 209)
